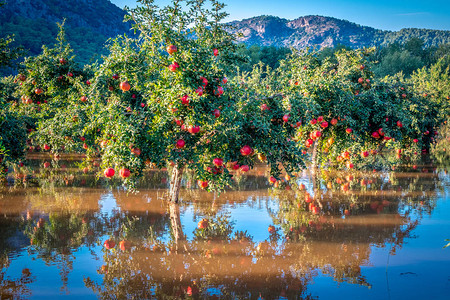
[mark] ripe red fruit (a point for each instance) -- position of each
(199, 91)
(124, 173)
(194, 129)
(348, 130)
(320, 119)
(313, 121)
(62, 61)
(179, 122)
(426, 132)
(124, 245)
(111, 88)
(136, 151)
(216, 113)
(180, 143)
(204, 81)
(202, 224)
(272, 179)
(70, 74)
(308, 198)
(22, 77)
(264, 107)
(245, 168)
(236, 166)
(271, 229)
(375, 135)
(404, 95)
(142, 105)
(109, 244)
(360, 80)
(361, 67)
(215, 52)
(125, 86)
(399, 124)
(346, 155)
(246, 150)
(171, 49)
(88, 82)
(202, 184)
(46, 147)
(324, 124)
(224, 80)
(46, 165)
(318, 134)
(38, 91)
(85, 146)
(333, 122)
(185, 99)
(415, 140)
(220, 90)
(350, 165)
(109, 172)
(174, 66)
(286, 118)
(218, 162)
(115, 76)
(83, 98)
(365, 153)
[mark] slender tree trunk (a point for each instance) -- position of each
(175, 183)
(314, 166)
(315, 174)
(175, 222)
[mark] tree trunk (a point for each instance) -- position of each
(175, 183)
(315, 175)
(175, 221)
(314, 166)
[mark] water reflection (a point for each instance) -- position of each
(142, 247)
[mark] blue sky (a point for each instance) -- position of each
(381, 14)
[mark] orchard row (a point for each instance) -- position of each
(174, 96)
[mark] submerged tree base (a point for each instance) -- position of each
(175, 183)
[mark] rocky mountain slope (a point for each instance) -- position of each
(319, 31)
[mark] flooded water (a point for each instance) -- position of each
(378, 235)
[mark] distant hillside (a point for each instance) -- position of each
(311, 31)
(89, 23)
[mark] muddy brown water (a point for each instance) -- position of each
(381, 236)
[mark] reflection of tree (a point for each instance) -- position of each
(153, 258)
(11, 288)
(11, 223)
(352, 212)
(215, 262)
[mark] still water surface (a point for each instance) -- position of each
(374, 236)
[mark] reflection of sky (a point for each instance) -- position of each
(251, 218)
(107, 203)
(420, 269)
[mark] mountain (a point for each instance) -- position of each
(89, 23)
(319, 31)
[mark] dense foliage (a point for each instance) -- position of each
(182, 94)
